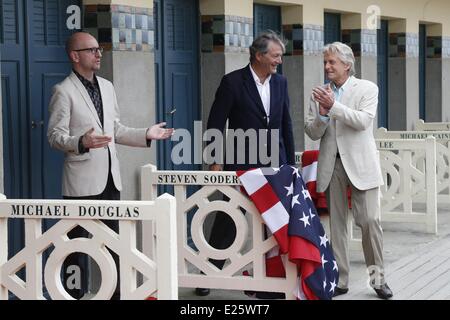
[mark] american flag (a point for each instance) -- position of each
(286, 207)
(309, 175)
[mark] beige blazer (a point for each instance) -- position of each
(349, 132)
(72, 114)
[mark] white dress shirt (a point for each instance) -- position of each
(263, 90)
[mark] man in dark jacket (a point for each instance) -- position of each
(253, 99)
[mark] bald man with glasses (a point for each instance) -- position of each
(85, 124)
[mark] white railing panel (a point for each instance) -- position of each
(418, 158)
(431, 126)
(160, 276)
(241, 255)
(404, 181)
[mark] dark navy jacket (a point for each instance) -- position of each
(237, 100)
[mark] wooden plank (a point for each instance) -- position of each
(407, 271)
(439, 288)
(408, 263)
(420, 271)
(418, 289)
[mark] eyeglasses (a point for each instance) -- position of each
(91, 50)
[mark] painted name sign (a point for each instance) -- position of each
(438, 135)
(112, 210)
(424, 135)
(201, 178)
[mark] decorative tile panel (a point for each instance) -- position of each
(119, 27)
(226, 33)
(434, 47)
(446, 47)
(293, 35)
(403, 45)
(412, 45)
(369, 43)
(312, 40)
(352, 38)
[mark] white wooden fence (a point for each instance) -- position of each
(160, 275)
(247, 252)
(418, 157)
(431, 126)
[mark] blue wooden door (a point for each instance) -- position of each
(33, 61)
(48, 65)
(177, 54)
(177, 72)
(14, 107)
(332, 27)
(15, 100)
(267, 18)
(32, 37)
(383, 77)
(422, 70)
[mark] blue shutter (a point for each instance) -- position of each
(9, 21)
(383, 78)
(332, 27)
(422, 70)
(266, 18)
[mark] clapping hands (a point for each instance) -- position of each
(325, 97)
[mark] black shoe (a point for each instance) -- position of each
(339, 291)
(201, 291)
(115, 296)
(384, 292)
(265, 295)
(270, 295)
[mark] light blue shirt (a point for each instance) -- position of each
(337, 97)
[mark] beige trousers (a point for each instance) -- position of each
(366, 213)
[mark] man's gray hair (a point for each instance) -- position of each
(343, 52)
(261, 43)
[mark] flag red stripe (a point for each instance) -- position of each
(306, 289)
(302, 249)
(282, 238)
(264, 198)
(307, 257)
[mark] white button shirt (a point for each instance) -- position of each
(263, 90)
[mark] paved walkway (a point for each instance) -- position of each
(417, 265)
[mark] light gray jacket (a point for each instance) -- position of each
(350, 130)
(72, 114)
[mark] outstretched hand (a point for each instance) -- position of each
(157, 132)
(91, 140)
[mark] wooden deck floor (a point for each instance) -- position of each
(423, 275)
